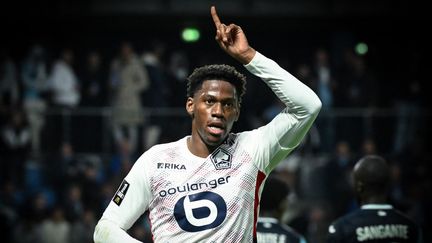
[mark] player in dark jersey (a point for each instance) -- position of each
(269, 229)
(375, 221)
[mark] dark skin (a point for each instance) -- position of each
(371, 180)
(215, 107)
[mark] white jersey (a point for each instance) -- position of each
(213, 199)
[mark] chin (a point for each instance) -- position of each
(215, 142)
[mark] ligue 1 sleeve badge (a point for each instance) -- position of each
(121, 193)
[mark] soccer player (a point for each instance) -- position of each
(375, 221)
(269, 229)
(206, 186)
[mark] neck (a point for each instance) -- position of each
(268, 214)
(377, 199)
(198, 147)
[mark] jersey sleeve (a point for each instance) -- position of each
(130, 201)
(278, 138)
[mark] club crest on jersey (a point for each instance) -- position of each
(221, 159)
(121, 193)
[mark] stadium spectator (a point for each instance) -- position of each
(9, 85)
(15, 140)
(34, 77)
(94, 81)
(128, 79)
(324, 85)
(64, 84)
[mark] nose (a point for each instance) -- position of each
(217, 110)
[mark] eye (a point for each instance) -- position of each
(229, 104)
(209, 101)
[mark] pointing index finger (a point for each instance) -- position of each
(215, 17)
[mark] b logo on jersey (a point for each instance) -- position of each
(221, 159)
(200, 211)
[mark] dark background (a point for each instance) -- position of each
(289, 32)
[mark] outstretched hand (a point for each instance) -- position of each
(232, 40)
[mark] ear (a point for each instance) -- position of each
(190, 106)
(359, 187)
(238, 113)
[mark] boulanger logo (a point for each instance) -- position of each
(200, 211)
(195, 186)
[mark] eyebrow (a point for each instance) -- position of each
(207, 96)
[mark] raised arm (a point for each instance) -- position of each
(232, 40)
(286, 130)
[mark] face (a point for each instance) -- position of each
(214, 109)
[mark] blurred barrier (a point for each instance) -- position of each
(89, 130)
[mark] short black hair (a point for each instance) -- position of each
(374, 172)
(216, 72)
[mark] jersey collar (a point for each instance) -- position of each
(377, 206)
(267, 220)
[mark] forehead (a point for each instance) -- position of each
(218, 88)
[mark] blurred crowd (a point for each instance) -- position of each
(56, 178)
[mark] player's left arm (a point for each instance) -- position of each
(285, 132)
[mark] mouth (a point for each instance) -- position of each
(216, 128)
